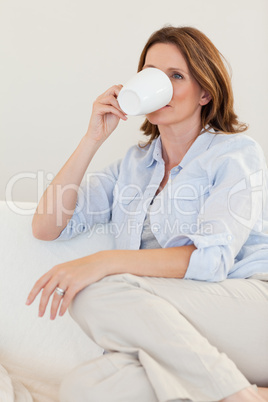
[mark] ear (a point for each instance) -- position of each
(205, 98)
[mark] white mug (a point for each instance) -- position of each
(146, 92)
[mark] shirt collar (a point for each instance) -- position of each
(156, 152)
(201, 144)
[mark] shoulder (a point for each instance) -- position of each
(236, 140)
(236, 145)
(234, 156)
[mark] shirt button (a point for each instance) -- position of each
(229, 237)
(155, 229)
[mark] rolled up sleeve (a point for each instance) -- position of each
(231, 212)
(211, 260)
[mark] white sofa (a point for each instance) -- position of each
(36, 353)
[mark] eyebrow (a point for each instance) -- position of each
(169, 69)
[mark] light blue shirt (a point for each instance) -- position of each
(216, 199)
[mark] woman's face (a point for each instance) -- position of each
(188, 96)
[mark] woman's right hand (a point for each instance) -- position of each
(106, 114)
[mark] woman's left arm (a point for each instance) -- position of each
(73, 276)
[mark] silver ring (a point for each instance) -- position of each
(60, 291)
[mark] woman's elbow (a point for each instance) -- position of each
(209, 264)
(41, 232)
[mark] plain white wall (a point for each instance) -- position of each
(57, 56)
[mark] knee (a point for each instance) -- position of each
(90, 305)
(90, 300)
(84, 305)
(79, 303)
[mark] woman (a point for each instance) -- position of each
(189, 209)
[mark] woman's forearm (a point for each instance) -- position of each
(164, 262)
(57, 205)
(58, 202)
(73, 276)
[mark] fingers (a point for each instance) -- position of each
(39, 285)
(49, 282)
(109, 98)
(114, 90)
(46, 294)
(59, 303)
(106, 114)
(56, 301)
(66, 300)
(103, 109)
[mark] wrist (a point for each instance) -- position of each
(91, 142)
(108, 262)
(103, 262)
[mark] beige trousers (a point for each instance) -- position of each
(170, 339)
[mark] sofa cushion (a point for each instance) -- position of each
(37, 351)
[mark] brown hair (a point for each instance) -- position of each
(206, 65)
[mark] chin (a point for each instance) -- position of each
(159, 117)
(159, 121)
